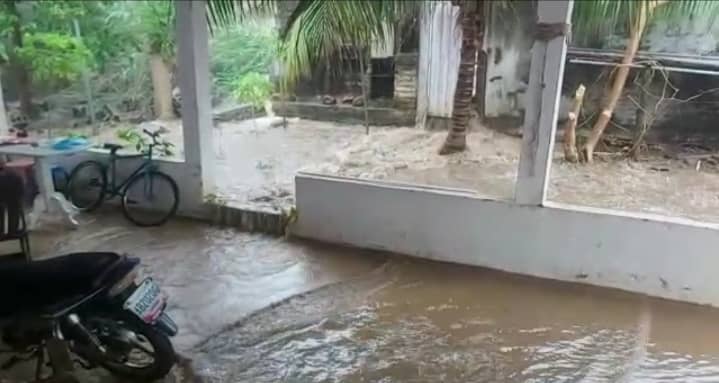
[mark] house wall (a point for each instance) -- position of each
(509, 41)
(508, 45)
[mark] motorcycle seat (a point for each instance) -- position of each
(33, 286)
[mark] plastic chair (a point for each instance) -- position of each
(12, 215)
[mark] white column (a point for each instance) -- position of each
(194, 82)
(545, 86)
(4, 124)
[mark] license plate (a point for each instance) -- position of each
(147, 301)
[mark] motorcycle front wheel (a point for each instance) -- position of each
(132, 349)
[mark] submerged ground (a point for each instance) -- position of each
(259, 309)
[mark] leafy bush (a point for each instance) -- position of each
(253, 88)
(241, 49)
(140, 142)
(154, 22)
(53, 56)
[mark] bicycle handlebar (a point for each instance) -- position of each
(154, 135)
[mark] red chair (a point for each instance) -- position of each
(24, 168)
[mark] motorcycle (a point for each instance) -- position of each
(91, 309)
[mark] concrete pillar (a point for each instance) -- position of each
(194, 82)
(540, 121)
(4, 123)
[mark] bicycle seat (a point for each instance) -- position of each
(113, 148)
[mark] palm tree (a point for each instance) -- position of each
(456, 140)
(599, 17)
(317, 29)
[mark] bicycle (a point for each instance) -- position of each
(88, 187)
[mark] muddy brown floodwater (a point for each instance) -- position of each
(258, 309)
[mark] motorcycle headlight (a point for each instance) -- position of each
(126, 281)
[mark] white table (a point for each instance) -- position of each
(44, 157)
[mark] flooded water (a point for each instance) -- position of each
(416, 321)
(259, 309)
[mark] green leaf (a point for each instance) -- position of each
(317, 30)
(54, 56)
(253, 88)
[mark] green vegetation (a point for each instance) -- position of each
(253, 88)
(127, 49)
(239, 50)
(53, 56)
(140, 142)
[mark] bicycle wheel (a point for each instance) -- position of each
(86, 186)
(150, 199)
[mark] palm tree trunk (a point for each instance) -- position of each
(481, 80)
(620, 79)
(161, 87)
(456, 140)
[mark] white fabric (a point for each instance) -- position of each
(440, 43)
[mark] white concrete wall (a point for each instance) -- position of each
(508, 46)
(670, 259)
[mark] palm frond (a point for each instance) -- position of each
(593, 19)
(318, 29)
(221, 13)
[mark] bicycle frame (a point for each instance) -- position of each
(113, 189)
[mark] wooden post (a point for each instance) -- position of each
(545, 84)
(570, 127)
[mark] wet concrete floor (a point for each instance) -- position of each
(258, 309)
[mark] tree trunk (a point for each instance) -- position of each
(481, 75)
(619, 81)
(570, 127)
(21, 73)
(161, 87)
(456, 140)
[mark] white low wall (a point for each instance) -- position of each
(675, 260)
